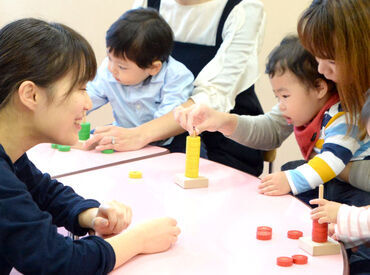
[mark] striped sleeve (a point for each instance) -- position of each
(353, 225)
(337, 150)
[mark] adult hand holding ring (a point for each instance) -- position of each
(113, 140)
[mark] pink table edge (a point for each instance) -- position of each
(51, 161)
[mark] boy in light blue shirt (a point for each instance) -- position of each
(138, 77)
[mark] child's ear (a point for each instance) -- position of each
(321, 87)
(155, 68)
(28, 94)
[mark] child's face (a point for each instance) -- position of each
(59, 121)
(328, 68)
(298, 103)
(125, 71)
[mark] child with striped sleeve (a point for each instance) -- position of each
(311, 104)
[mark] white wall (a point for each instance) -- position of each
(282, 17)
(92, 18)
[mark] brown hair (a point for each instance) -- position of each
(41, 52)
(340, 30)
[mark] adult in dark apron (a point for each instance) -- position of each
(219, 148)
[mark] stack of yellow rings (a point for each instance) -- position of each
(192, 156)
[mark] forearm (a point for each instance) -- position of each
(125, 245)
(264, 132)
(162, 127)
(60, 201)
(303, 177)
(228, 123)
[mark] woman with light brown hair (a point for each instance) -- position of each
(338, 34)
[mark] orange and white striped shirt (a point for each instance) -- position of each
(353, 225)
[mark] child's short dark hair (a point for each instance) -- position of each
(290, 55)
(142, 36)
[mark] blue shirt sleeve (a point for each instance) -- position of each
(97, 88)
(177, 87)
(133, 105)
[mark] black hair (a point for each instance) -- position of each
(41, 52)
(142, 36)
(290, 55)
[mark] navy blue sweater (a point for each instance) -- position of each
(32, 206)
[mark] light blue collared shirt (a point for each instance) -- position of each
(138, 104)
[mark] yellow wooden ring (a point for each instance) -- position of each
(135, 175)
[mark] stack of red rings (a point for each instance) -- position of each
(295, 234)
(284, 261)
(319, 232)
(264, 233)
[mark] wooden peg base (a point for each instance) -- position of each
(331, 247)
(188, 183)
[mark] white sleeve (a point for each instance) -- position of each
(353, 225)
(235, 66)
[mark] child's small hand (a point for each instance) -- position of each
(327, 211)
(111, 218)
(274, 184)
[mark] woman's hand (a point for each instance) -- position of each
(201, 118)
(157, 235)
(149, 237)
(110, 218)
(117, 138)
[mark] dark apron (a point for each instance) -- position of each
(219, 148)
